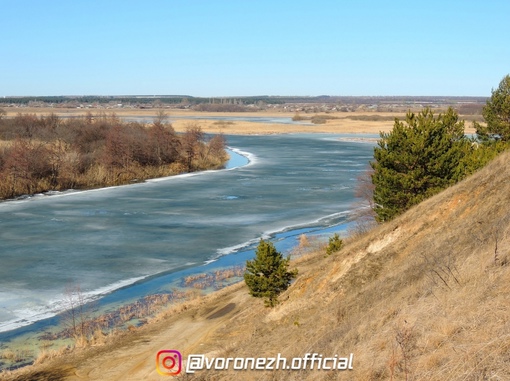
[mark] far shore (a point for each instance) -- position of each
(369, 122)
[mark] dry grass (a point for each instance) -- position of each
(340, 125)
(423, 297)
(48, 354)
(365, 122)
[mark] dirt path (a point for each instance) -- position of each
(136, 360)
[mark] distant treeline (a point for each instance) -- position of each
(44, 153)
(141, 100)
(190, 101)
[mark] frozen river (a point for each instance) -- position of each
(107, 239)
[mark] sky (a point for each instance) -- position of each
(211, 48)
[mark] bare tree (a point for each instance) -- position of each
(161, 118)
(216, 146)
(163, 143)
(77, 317)
(190, 144)
(363, 217)
(26, 163)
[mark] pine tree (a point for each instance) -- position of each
(417, 159)
(267, 275)
(497, 114)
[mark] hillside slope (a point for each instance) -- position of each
(423, 297)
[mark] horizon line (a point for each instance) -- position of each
(239, 96)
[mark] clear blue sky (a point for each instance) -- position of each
(253, 47)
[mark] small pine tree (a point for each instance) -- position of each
(335, 244)
(267, 275)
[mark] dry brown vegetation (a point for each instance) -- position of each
(361, 122)
(41, 153)
(423, 297)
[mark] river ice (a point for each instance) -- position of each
(106, 239)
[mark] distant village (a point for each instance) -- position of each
(319, 104)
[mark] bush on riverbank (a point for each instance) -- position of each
(44, 153)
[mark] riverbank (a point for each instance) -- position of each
(55, 153)
(206, 292)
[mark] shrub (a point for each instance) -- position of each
(335, 244)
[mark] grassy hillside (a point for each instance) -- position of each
(423, 297)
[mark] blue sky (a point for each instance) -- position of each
(248, 47)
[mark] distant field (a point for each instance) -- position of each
(366, 122)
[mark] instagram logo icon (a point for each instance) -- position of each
(169, 362)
